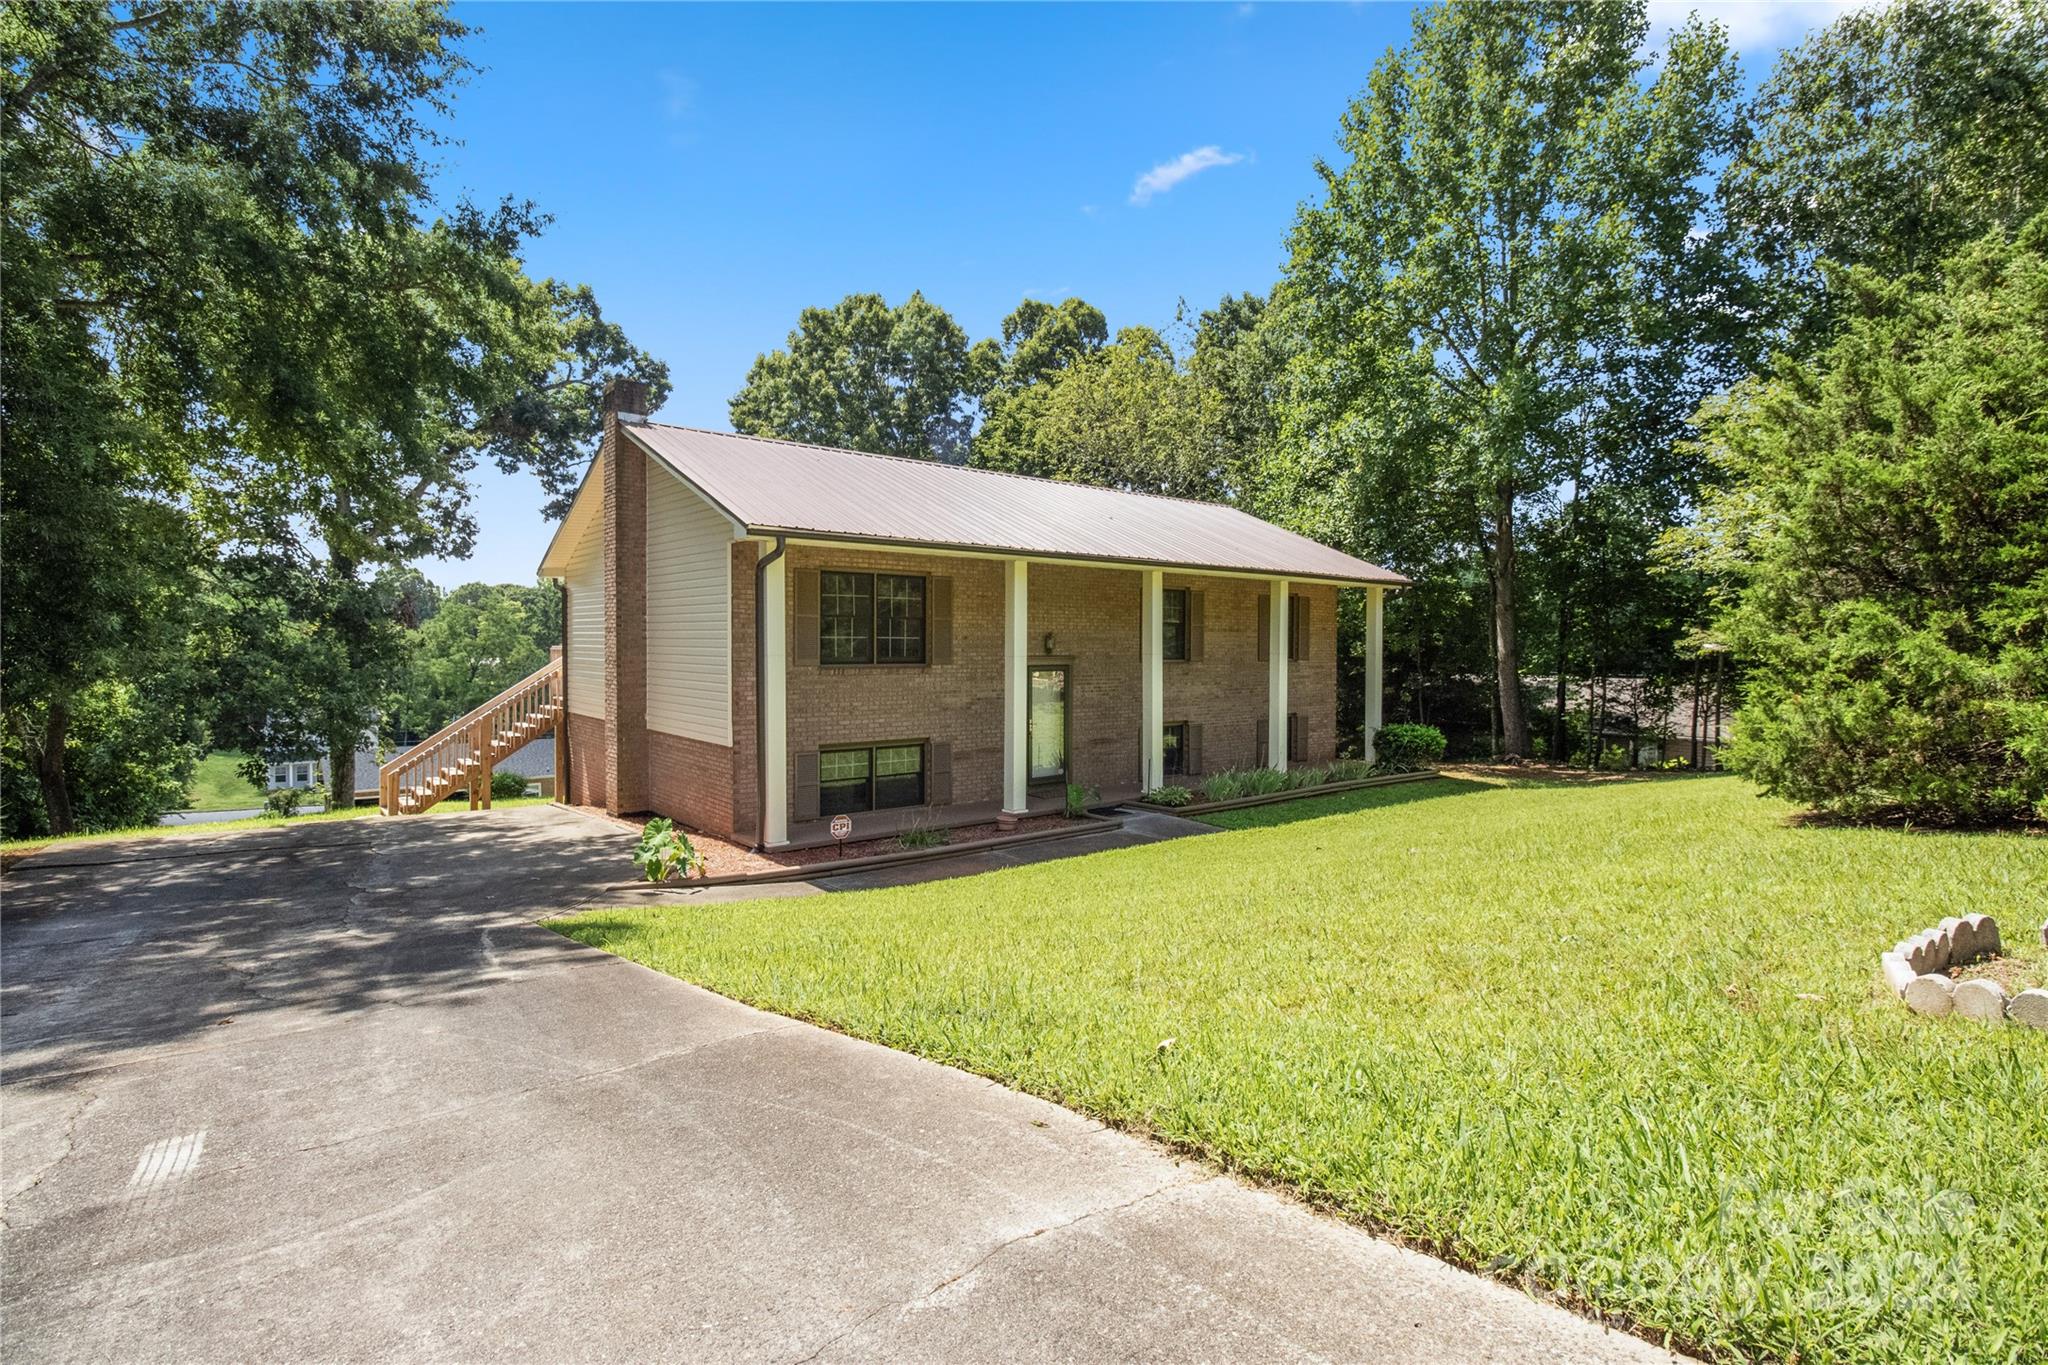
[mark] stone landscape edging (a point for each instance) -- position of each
(1292, 794)
(1916, 969)
(1085, 824)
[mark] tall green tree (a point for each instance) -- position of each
(1518, 267)
(1890, 139)
(218, 232)
(1039, 342)
(865, 376)
(1128, 415)
(1884, 524)
(482, 638)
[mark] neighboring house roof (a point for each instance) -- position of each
(768, 487)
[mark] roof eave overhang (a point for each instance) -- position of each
(554, 563)
(802, 536)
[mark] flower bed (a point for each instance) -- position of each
(1200, 807)
(726, 862)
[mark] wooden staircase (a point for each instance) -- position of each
(462, 754)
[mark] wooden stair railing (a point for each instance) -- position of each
(462, 754)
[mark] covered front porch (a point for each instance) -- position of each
(1080, 671)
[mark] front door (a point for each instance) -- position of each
(1047, 731)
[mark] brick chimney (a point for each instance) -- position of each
(625, 398)
(625, 598)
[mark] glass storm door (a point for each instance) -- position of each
(1048, 724)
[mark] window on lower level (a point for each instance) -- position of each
(1297, 745)
(884, 777)
(1177, 750)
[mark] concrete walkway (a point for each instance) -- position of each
(330, 1093)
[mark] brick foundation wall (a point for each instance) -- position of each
(589, 759)
(690, 782)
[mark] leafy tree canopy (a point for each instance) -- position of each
(865, 376)
(1516, 272)
(1886, 526)
(246, 311)
(1892, 138)
(482, 638)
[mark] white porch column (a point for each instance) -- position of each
(1276, 676)
(774, 717)
(1375, 633)
(1016, 685)
(1152, 675)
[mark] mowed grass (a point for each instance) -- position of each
(1625, 1043)
(215, 785)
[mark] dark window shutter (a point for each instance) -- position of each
(1191, 761)
(938, 773)
(939, 620)
(1294, 743)
(807, 772)
(806, 644)
(1259, 758)
(1265, 622)
(1297, 627)
(1194, 625)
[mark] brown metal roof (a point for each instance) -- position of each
(772, 487)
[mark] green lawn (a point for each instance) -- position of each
(217, 786)
(1624, 1041)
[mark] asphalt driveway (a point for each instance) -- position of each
(329, 1093)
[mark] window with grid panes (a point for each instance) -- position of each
(870, 618)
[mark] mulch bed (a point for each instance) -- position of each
(723, 858)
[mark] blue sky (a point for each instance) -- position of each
(712, 169)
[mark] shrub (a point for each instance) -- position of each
(1407, 748)
(1079, 798)
(664, 851)
(1166, 796)
(921, 836)
(1886, 522)
(507, 786)
(283, 803)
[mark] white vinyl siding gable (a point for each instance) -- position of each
(584, 656)
(689, 613)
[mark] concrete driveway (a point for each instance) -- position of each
(329, 1093)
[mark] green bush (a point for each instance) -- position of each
(1166, 796)
(1885, 521)
(1406, 748)
(1079, 798)
(665, 851)
(507, 786)
(921, 836)
(284, 803)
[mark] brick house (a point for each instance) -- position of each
(762, 634)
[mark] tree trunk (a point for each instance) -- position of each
(50, 773)
(1560, 745)
(341, 746)
(1514, 717)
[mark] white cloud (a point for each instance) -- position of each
(1167, 174)
(1754, 27)
(678, 95)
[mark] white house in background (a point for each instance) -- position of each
(535, 762)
